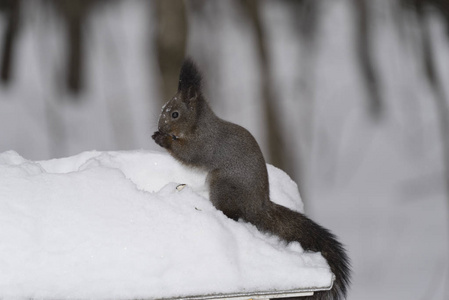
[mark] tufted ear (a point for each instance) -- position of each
(189, 80)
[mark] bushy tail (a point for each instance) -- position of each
(294, 226)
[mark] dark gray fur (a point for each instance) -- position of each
(237, 174)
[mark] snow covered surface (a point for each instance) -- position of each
(113, 225)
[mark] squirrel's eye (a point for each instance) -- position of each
(174, 114)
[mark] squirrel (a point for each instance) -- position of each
(237, 174)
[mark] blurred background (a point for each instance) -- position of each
(349, 97)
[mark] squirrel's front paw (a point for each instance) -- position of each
(161, 139)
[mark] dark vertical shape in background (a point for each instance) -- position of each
(74, 13)
(276, 144)
(441, 6)
(306, 18)
(75, 57)
(441, 104)
(306, 12)
(364, 48)
(171, 43)
(11, 8)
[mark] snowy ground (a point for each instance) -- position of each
(108, 225)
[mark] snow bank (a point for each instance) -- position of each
(113, 225)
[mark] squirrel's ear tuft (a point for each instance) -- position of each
(189, 79)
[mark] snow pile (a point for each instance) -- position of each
(113, 225)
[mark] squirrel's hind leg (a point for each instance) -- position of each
(224, 194)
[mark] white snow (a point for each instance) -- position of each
(112, 225)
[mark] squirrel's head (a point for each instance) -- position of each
(179, 115)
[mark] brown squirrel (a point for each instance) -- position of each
(237, 174)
